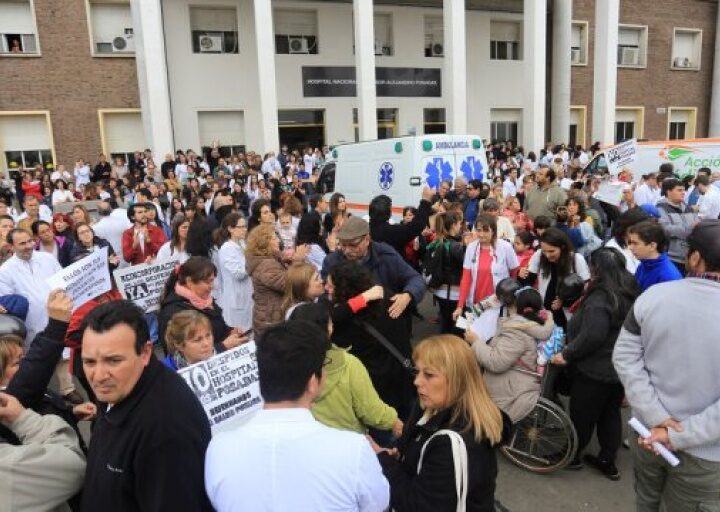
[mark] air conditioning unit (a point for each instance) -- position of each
(630, 56)
(123, 44)
(298, 44)
(575, 55)
(210, 43)
(682, 62)
(436, 50)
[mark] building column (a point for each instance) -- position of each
(153, 87)
(534, 50)
(265, 44)
(365, 68)
(455, 65)
(714, 125)
(607, 17)
(561, 71)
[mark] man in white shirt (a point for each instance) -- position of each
(510, 185)
(648, 192)
(60, 174)
(111, 227)
(25, 274)
(708, 206)
(282, 459)
(33, 211)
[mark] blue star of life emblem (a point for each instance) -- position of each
(386, 175)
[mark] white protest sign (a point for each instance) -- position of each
(143, 284)
(610, 192)
(621, 155)
(227, 386)
(85, 279)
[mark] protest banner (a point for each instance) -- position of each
(85, 279)
(143, 284)
(227, 386)
(621, 155)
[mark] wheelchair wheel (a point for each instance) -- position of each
(544, 441)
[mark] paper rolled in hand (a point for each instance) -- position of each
(645, 433)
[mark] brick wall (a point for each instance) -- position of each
(67, 80)
(656, 86)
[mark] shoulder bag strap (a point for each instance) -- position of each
(404, 361)
(460, 462)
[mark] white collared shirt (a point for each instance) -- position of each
(285, 460)
(709, 204)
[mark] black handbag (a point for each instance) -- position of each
(406, 362)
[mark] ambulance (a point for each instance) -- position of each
(687, 156)
(400, 168)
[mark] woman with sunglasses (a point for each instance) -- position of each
(488, 260)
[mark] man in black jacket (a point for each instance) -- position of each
(398, 235)
(102, 170)
(148, 447)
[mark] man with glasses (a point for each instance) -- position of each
(284, 459)
(389, 268)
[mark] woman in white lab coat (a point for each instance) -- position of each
(235, 284)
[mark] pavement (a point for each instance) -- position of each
(584, 490)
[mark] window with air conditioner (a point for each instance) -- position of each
(504, 40)
(578, 43)
(214, 30)
(17, 29)
(434, 42)
(111, 29)
(296, 31)
(632, 46)
(686, 49)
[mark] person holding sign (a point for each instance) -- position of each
(190, 287)
(87, 243)
(149, 442)
(320, 468)
(189, 339)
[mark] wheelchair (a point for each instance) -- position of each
(545, 440)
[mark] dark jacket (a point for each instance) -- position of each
(389, 269)
(148, 451)
(174, 303)
(78, 251)
(398, 235)
(592, 333)
(433, 489)
(390, 379)
(101, 172)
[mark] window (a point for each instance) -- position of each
(383, 34)
(579, 43)
(505, 124)
(628, 123)
(122, 132)
(434, 46)
(295, 31)
(434, 120)
(112, 29)
(302, 128)
(504, 40)
(227, 127)
(687, 45)
(387, 119)
(681, 123)
(578, 118)
(632, 46)
(25, 141)
(17, 29)
(214, 29)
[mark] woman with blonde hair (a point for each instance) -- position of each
(457, 426)
(303, 285)
(189, 339)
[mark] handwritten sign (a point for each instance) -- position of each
(227, 386)
(85, 279)
(143, 284)
(621, 155)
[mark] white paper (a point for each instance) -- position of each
(610, 192)
(485, 325)
(227, 386)
(143, 284)
(620, 155)
(462, 323)
(85, 279)
(645, 433)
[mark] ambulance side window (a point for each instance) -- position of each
(326, 181)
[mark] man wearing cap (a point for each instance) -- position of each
(386, 264)
(667, 357)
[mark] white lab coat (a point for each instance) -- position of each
(236, 290)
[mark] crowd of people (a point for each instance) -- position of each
(357, 414)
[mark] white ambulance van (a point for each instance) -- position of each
(400, 168)
(687, 156)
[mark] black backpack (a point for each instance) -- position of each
(436, 265)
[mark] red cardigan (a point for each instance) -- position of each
(135, 255)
